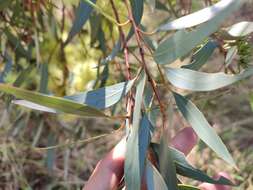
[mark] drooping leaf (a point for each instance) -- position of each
(83, 12)
(116, 49)
(100, 99)
(154, 179)
(202, 128)
(182, 42)
(137, 7)
(167, 166)
(200, 81)
(201, 56)
(238, 30)
(196, 18)
(60, 104)
(185, 169)
(137, 142)
(231, 54)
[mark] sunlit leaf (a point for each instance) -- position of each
(137, 142)
(83, 12)
(60, 104)
(202, 128)
(182, 42)
(202, 56)
(200, 81)
(100, 99)
(238, 30)
(197, 18)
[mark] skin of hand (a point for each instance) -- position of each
(110, 170)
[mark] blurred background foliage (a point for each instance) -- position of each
(34, 55)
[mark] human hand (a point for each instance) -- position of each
(109, 171)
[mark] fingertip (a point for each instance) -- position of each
(185, 140)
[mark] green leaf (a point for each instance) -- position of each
(200, 125)
(137, 7)
(137, 142)
(154, 179)
(60, 104)
(196, 18)
(83, 12)
(182, 42)
(202, 56)
(199, 81)
(100, 99)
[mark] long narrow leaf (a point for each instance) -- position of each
(83, 12)
(184, 168)
(200, 125)
(60, 104)
(137, 142)
(201, 56)
(153, 178)
(196, 18)
(100, 99)
(199, 81)
(182, 42)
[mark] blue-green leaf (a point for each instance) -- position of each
(196, 18)
(185, 169)
(100, 99)
(200, 125)
(202, 56)
(60, 104)
(137, 7)
(182, 42)
(200, 81)
(83, 12)
(154, 179)
(167, 166)
(137, 142)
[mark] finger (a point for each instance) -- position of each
(185, 140)
(109, 171)
(208, 186)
